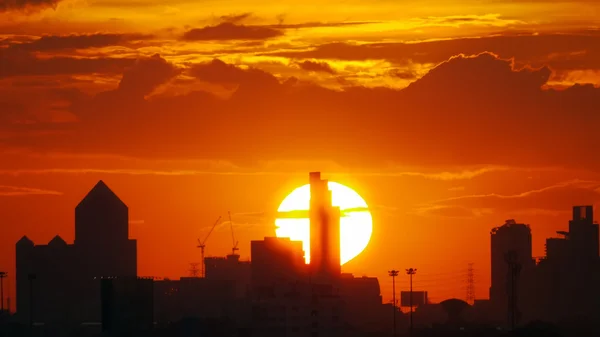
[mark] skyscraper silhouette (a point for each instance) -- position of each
(515, 239)
(324, 231)
(67, 285)
(102, 234)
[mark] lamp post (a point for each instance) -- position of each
(2, 276)
(410, 272)
(393, 274)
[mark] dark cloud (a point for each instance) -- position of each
(230, 28)
(56, 42)
(316, 66)
(231, 31)
(220, 72)
(561, 51)
(319, 24)
(21, 63)
(12, 5)
(146, 75)
(403, 74)
(235, 18)
(467, 111)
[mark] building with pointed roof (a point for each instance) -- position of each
(66, 283)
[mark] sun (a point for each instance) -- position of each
(356, 223)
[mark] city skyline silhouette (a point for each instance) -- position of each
(448, 119)
(62, 282)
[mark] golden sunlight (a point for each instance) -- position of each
(356, 222)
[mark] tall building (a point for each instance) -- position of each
(563, 285)
(511, 239)
(583, 234)
(102, 235)
(59, 282)
(324, 231)
(276, 261)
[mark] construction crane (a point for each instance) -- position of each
(202, 245)
(235, 243)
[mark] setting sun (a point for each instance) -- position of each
(356, 222)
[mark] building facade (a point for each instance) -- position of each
(60, 282)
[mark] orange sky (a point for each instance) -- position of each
(448, 117)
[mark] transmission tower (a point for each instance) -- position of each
(470, 284)
(194, 269)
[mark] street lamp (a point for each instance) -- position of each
(410, 272)
(393, 274)
(2, 276)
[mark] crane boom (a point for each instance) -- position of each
(235, 243)
(202, 244)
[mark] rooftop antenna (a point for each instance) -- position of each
(202, 245)
(235, 243)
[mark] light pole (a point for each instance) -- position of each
(2, 276)
(393, 274)
(410, 272)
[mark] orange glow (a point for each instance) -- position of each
(356, 224)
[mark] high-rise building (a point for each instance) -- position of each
(102, 235)
(61, 282)
(584, 235)
(509, 240)
(324, 231)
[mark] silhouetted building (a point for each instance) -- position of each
(229, 268)
(194, 297)
(418, 298)
(276, 261)
(515, 240)
(564, 285)
(127, 305)
(362, 304)
(324, 231)
(583, 235)
(284, 300)
(66, 277)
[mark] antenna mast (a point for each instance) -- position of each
(202, 245)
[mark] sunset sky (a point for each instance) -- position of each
(447, 117)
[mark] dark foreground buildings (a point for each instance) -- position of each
(60, 283)
(563, 286)
(94, 281)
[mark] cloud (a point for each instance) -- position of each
(146, 75)
(21, 63)
(78, 41)
(231, 31)
(571, 51)
(11, 191)
(14, 5)
(477, 111)
(219, 72)
(554, 198)
(448, 211)
(316, 66)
